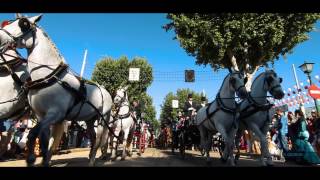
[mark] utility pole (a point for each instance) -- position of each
(298, 87)
(83, 62)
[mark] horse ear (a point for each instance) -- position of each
(18, 15)
(35, 19)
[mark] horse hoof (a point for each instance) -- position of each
(122, 159)
(223, 160)
(91, 164)
(31, 159)
(237, 157)
(45, 164)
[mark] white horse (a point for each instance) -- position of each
(123, 124)
(55, 93)
(13, 99)
(255, 113)
(221, 115)
(13, 73)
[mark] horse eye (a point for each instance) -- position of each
(232, 80)
(270, 79)
(280, 80)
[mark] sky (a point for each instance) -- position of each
(132, 35)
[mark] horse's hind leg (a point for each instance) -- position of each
(57, 132)
(95, 141)
(43, 130)
(237, 144)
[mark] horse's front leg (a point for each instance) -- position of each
(226, 152)
(264, 145)
(124, 144)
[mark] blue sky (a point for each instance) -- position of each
(141, 35)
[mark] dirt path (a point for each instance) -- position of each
(151, 158)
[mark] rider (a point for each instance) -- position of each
(189, 107)
(136, 110)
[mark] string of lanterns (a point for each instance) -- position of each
(295, 96)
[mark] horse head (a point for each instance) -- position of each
(121, 95)
(237, 82)
(272, 83)
(19, 32)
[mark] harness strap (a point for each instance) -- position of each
(48, 80)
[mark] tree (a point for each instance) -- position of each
(167, 112)
(113, 74)
(244, 41)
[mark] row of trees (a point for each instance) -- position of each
(114, 73)
(167, 112)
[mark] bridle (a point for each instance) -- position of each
(11, 65)
(24, 32)
(268, 81)
(233, 83)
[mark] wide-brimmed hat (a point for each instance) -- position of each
(190, 95)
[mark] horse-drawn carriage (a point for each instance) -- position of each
(141, 137)
(185, 135)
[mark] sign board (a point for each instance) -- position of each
(189, 76)
(175, 104)
(134, 74)
(314, 91)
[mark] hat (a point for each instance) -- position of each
(313, 111)
(203, 98)
(190, 95)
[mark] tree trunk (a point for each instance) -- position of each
(250, 75)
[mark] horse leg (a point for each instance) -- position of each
(129, 142)
(33, 134)
(263, 142)
(52, 117)
(54, 142)
(95, 141)
(264, 145)
(124, 144)
(208, 145)
(231, 137)
(114, 142)
(237, 144)
(104, 143)
(223, 133)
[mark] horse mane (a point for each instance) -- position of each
(269, 71)
(51, 43)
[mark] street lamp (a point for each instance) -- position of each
(307, 69)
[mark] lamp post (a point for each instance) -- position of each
(307, 68)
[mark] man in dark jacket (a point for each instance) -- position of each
(189, 106)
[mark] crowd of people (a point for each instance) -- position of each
(291, 137)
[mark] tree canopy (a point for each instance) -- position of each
(114, 73)
(248, 39)
(167, 112)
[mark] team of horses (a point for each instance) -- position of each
(44, 83)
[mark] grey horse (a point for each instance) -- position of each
(221, 115)
(55, 93)
(255, 114)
